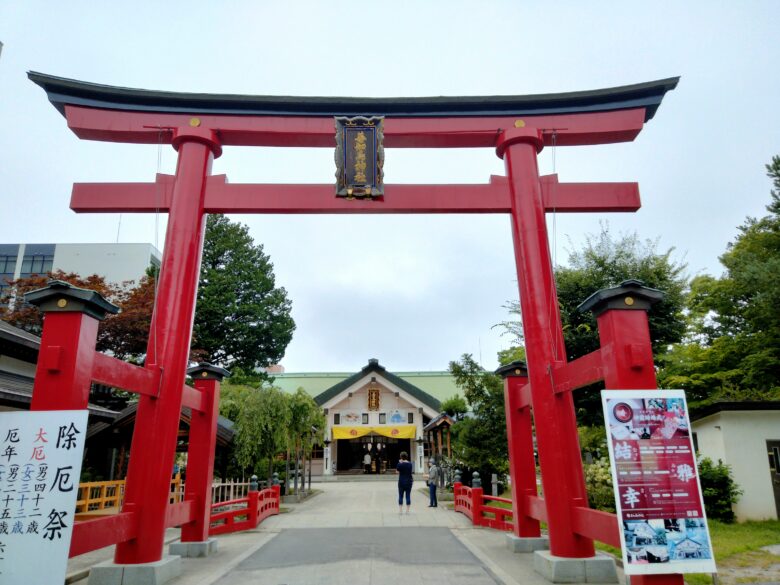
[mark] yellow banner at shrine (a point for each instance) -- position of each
(397, 432)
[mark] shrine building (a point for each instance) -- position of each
(378, 413)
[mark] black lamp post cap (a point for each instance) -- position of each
(207, 371)
(60, 296)
(516, 368)
(628, 295)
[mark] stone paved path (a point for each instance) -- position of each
(352, 532)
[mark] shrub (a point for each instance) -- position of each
(598, 480)
(719, 489)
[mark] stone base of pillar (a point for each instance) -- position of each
(598, 569)
(525, 544)
(193, 550)
(157, 573)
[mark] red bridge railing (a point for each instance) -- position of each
(472, 503)
(244, 513)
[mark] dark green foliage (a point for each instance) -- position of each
(734, 347)
(718, 490)
(242, 319)
(480, 440)
(455, 406)
(605, 262)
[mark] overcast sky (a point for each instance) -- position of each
(413, 291)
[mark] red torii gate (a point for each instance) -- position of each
(199, 125)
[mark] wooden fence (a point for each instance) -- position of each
(107, 496)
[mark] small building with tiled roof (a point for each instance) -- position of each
(372, 413)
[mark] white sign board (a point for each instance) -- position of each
(40, 466)
(657, 493)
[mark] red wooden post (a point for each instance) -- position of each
(200, 455)
(476, 506)
(556, 425)
(154, 439)
(71, 317)
(627, 354)
(520, 440)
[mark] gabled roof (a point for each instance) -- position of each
(442, 419)
(17, 390)
(127, 416)
(374, 367)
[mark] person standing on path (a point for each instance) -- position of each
(433, 478)
(367, 462)
(405, 480)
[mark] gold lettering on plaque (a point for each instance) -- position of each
(360, 157)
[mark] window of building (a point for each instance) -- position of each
(8, 265)
(37, 259)
(410, 418)
(336, 418)
(36, 264)
(382, 418)
(365, 418)
(317, 452)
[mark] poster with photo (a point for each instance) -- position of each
(654, 474)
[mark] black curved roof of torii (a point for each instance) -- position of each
(62, 92)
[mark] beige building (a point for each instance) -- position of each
(372, 416)
(745, 436)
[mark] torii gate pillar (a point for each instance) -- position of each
(556, 425)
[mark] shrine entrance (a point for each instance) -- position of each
(516, 127)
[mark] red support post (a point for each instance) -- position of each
(563, 481)
(627, 355)
(520, 441)
(71, 317)
(476, 506)
(154, 439)
(200, 455)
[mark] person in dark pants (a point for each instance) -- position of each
(405, 480)
(433, 478)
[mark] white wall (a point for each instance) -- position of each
(116, 262)
(741, 443)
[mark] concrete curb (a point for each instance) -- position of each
(77, 576)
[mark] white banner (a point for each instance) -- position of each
(40, 466)
(657, 493)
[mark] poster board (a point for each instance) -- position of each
(40, 467)
(658, 498)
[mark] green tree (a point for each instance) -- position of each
(606, 261)
(455, 406)
(242, 317)
(261, 421)
(479, 441)
(299, 426)
(733, 348)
